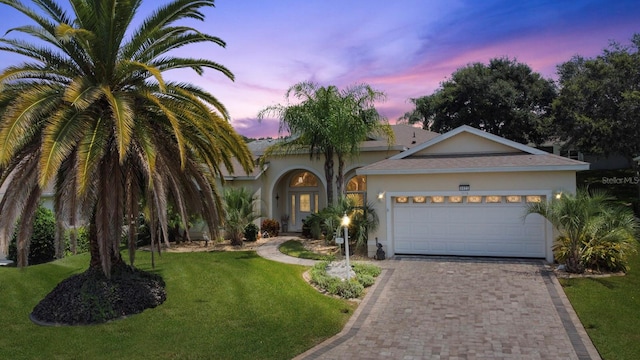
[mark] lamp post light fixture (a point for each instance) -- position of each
(345, 224)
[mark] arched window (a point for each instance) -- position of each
(357, 189)
(304, 179)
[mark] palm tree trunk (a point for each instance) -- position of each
(328, 174)
(94, 249)
(340, 177)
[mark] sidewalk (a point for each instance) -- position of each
(270, 251)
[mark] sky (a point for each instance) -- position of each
(404, 48)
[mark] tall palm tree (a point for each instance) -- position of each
(92, 113)
(328, 123)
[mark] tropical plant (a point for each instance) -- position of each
(594, 231)
(364, 220)
(92, 113)
(40, 247)
(270, 226)
(328, 123)
(239, 210)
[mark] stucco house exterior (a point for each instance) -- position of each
(459, 193)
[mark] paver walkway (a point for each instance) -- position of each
(450, 308)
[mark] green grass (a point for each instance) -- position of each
(296, 249)
(232, 305)
(609, 309)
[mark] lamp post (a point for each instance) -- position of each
(345, 224)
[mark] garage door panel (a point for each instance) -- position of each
(468, 229)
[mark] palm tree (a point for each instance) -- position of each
(328, 122)
(239, 210)
(589, 226)
(92, 113)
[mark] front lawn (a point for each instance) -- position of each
(296, 249)
(232, 305)
(609, 309)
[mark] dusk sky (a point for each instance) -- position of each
(405, 48)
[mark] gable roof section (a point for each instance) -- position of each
(470, 130)
(512, 157)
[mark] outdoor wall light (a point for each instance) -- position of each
(381, 195)
(557, 195)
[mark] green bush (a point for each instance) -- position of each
(312, 226)
(42, 244)
(366, 280)
(251, 232)
(271, 226)
(345, 289)
(82, 241)
(366, 269)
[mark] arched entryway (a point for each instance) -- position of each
(357, 189)
(299, 193)
(303, 199)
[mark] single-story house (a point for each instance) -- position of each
(463, 192)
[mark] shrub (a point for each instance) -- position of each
(82, 241)
(353, 288)
(595, 232)
(312, 226)
(366, 269)
(350, 289)
(271, 226)
(366, 280)
(251, 232)
(42, 244)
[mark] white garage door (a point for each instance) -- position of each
(468, 229)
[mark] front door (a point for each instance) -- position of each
(302, 204)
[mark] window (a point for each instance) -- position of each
(437, 199)
(493, 199)
(474, 199)
(305, 202)
(534, 198)
(357, 189)
(455, 199)
(402, 199)
(419, 199)
(304, 179)
(514, 199)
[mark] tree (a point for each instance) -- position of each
(593, 230)
(598, 106)
(505, 98)
(239, 210)
(328, 122)
(92, 113)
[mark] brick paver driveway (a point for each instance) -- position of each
(448, 308)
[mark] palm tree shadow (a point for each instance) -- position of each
(606, 282)
(247, 255)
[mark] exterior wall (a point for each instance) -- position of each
(274, 181)
(466, 143)
(519, 183)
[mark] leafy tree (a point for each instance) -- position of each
(92, 113)
(505, 98)
(239, 210)
(598, 106)
(594, 231)
(330, 123)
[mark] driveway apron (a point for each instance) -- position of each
(449, 308)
